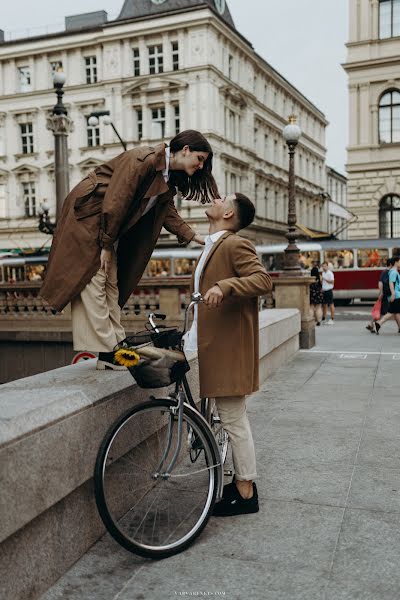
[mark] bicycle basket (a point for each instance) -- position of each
(159, 372)
(141, 337)
(167, 338)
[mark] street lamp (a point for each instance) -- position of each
(93, 121)
(61, 125)
(45, 224)
(291, 134)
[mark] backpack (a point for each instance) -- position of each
(385, 284)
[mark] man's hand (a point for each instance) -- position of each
(213, 297)
(197, 238)
(105, 260)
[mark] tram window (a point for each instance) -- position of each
(339, 259)
(14, 274)
(396, 252)
(273, 262)
(35, 272)
(159, 267)
(184, 266)
(309, 259)
(372, 257)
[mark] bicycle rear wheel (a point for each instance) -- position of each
(146, 514)
(220, 434)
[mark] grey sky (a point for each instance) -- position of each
(303, 39)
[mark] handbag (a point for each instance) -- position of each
(376, 310)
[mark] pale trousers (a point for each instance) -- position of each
(234, 419)
(96, 315)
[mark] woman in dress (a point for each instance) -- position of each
(316, 295)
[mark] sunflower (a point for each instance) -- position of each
(127, 357)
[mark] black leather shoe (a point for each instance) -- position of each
(235, 504)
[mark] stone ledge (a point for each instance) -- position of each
(51, 426)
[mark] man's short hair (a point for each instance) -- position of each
(245, 210)
(395, 259)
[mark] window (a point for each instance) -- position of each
(184, 266)
(29, 193)
(136, 61)
(339, 259)
(389, 18)
(175, 56)
(177, 119)
(157, 123)
(266, 147)
(230, 66)
(159, 267)
(55, 66)
(372, 257)
(389, 117)
(139, 120)
(156, 61)
(91, 69)
(26, 138)
(24, 79)
(389, 216)
(93, 134)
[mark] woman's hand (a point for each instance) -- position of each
(105, 260)
(197, 238)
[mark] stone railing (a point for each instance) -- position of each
(51, 426)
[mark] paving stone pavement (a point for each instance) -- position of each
(327, 433)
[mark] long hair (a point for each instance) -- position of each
(201, 187)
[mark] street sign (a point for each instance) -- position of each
(82, 356)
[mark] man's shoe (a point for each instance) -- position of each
(235, 504)
(376, 328)
(331, 322)
(106, 362)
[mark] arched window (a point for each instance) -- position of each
(389, 18)
(389, 117)
(389, 216)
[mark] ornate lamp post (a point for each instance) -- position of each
(291, 134)
(61, 125)
(94, 120)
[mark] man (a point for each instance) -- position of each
(328, 282)
(230, 277)
(393, 298)
(384, 293)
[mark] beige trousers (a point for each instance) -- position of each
(233, 415)
(96, 315)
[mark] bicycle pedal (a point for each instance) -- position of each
(228, 473)
(216, 420)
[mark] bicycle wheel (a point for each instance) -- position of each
(221, 436)
(149, 515)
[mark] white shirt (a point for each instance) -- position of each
(165, 173)
(190, 338)
(325, 285)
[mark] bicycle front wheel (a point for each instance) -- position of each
(146, 513)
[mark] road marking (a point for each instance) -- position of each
(355, 352)
(354, 355)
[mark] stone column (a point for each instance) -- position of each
(146, 117)
(294, 292)
(61, 126)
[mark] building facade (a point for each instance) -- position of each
(339, 217)
(161, 67)
(373, 68)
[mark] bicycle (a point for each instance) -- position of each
(159, 469)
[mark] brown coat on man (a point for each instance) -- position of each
(107, 206)
(228, 336)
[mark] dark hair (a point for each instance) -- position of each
(395, 258)
(201, 186)
(315, 273)
(245, 210)
(390, 262)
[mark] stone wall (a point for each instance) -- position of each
(51, 426)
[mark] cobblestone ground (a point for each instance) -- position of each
(327, 431)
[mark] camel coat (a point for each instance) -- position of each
(107, 206)
(228, 336)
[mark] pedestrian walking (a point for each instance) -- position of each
(384, 293)
(108, 228)
(394, 297)
(328, 283)
(316, 295)
(230, 276)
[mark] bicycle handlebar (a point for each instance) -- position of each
(195, 299)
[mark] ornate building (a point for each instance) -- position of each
(160, 67)
(373, 67)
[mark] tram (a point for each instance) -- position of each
(356, 264)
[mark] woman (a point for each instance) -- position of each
(316, 295)
(109, 225)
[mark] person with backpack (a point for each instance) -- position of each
(384, 293)
(393, 297)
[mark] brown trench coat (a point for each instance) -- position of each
(107, 206)
(228, 336)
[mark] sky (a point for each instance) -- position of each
(302, 39)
